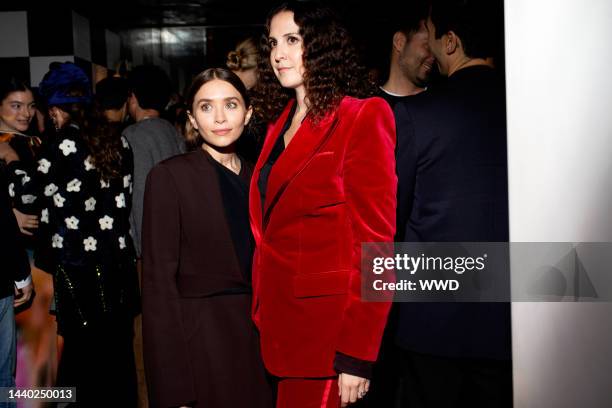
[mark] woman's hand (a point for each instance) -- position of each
(25, 221)
(23, 295)
(351, 388)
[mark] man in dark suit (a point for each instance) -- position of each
(15, 280)
(452, 187)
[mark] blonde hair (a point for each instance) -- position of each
(243, 57)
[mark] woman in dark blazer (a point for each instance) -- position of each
(200, 345)
(324, 183)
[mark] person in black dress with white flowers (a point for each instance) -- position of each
(82, 184)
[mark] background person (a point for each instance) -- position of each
(410, 61)
(455, 354)
(111, 96)
(15, 286)
(151, 138)
(82, 182)
(243, 62)
(17, 110)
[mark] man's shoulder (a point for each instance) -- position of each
(413, 104)
(155, 130)
(148, 126)
(184, 166)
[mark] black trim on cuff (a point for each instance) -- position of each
(354, 366)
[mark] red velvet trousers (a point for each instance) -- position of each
(308, 393)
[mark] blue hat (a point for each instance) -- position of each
(61, 80)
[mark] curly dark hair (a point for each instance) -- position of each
(68, 88)
(332, 65)
(476, 22)
(102, 137)
(104, 141)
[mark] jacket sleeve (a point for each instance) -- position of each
(55, 185)
(370, 187)
(167, 362)
(143, 163)
(14, 256)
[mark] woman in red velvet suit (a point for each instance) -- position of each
(324, 183)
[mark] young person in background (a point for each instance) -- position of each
(82, 182)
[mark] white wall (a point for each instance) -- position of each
(558, 63)
(39, 66)
(113, 48)
(81, 36)
(14, 32)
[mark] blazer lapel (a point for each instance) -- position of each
(255, 211)
(308, 140)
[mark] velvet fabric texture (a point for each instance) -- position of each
(331, 189)
(308, 393)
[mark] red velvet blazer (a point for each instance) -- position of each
(332, 188)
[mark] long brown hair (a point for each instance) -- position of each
(103, 138)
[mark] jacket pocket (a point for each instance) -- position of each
(206, 285)
(321, 284)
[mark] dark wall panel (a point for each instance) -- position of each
(18, 67)
(50, 32)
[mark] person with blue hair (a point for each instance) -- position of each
(82, 184)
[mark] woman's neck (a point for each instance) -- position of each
(227, 157)
(7, 129)
(302, 101)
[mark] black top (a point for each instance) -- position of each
(27, 148)
(84, 219)
(391, 99)
(235, 195)
(15, 263)
(277, 150)
(83, 237)
(250, 143)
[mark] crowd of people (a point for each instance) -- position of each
(232, 219)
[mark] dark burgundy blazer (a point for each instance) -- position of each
(188, 253)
